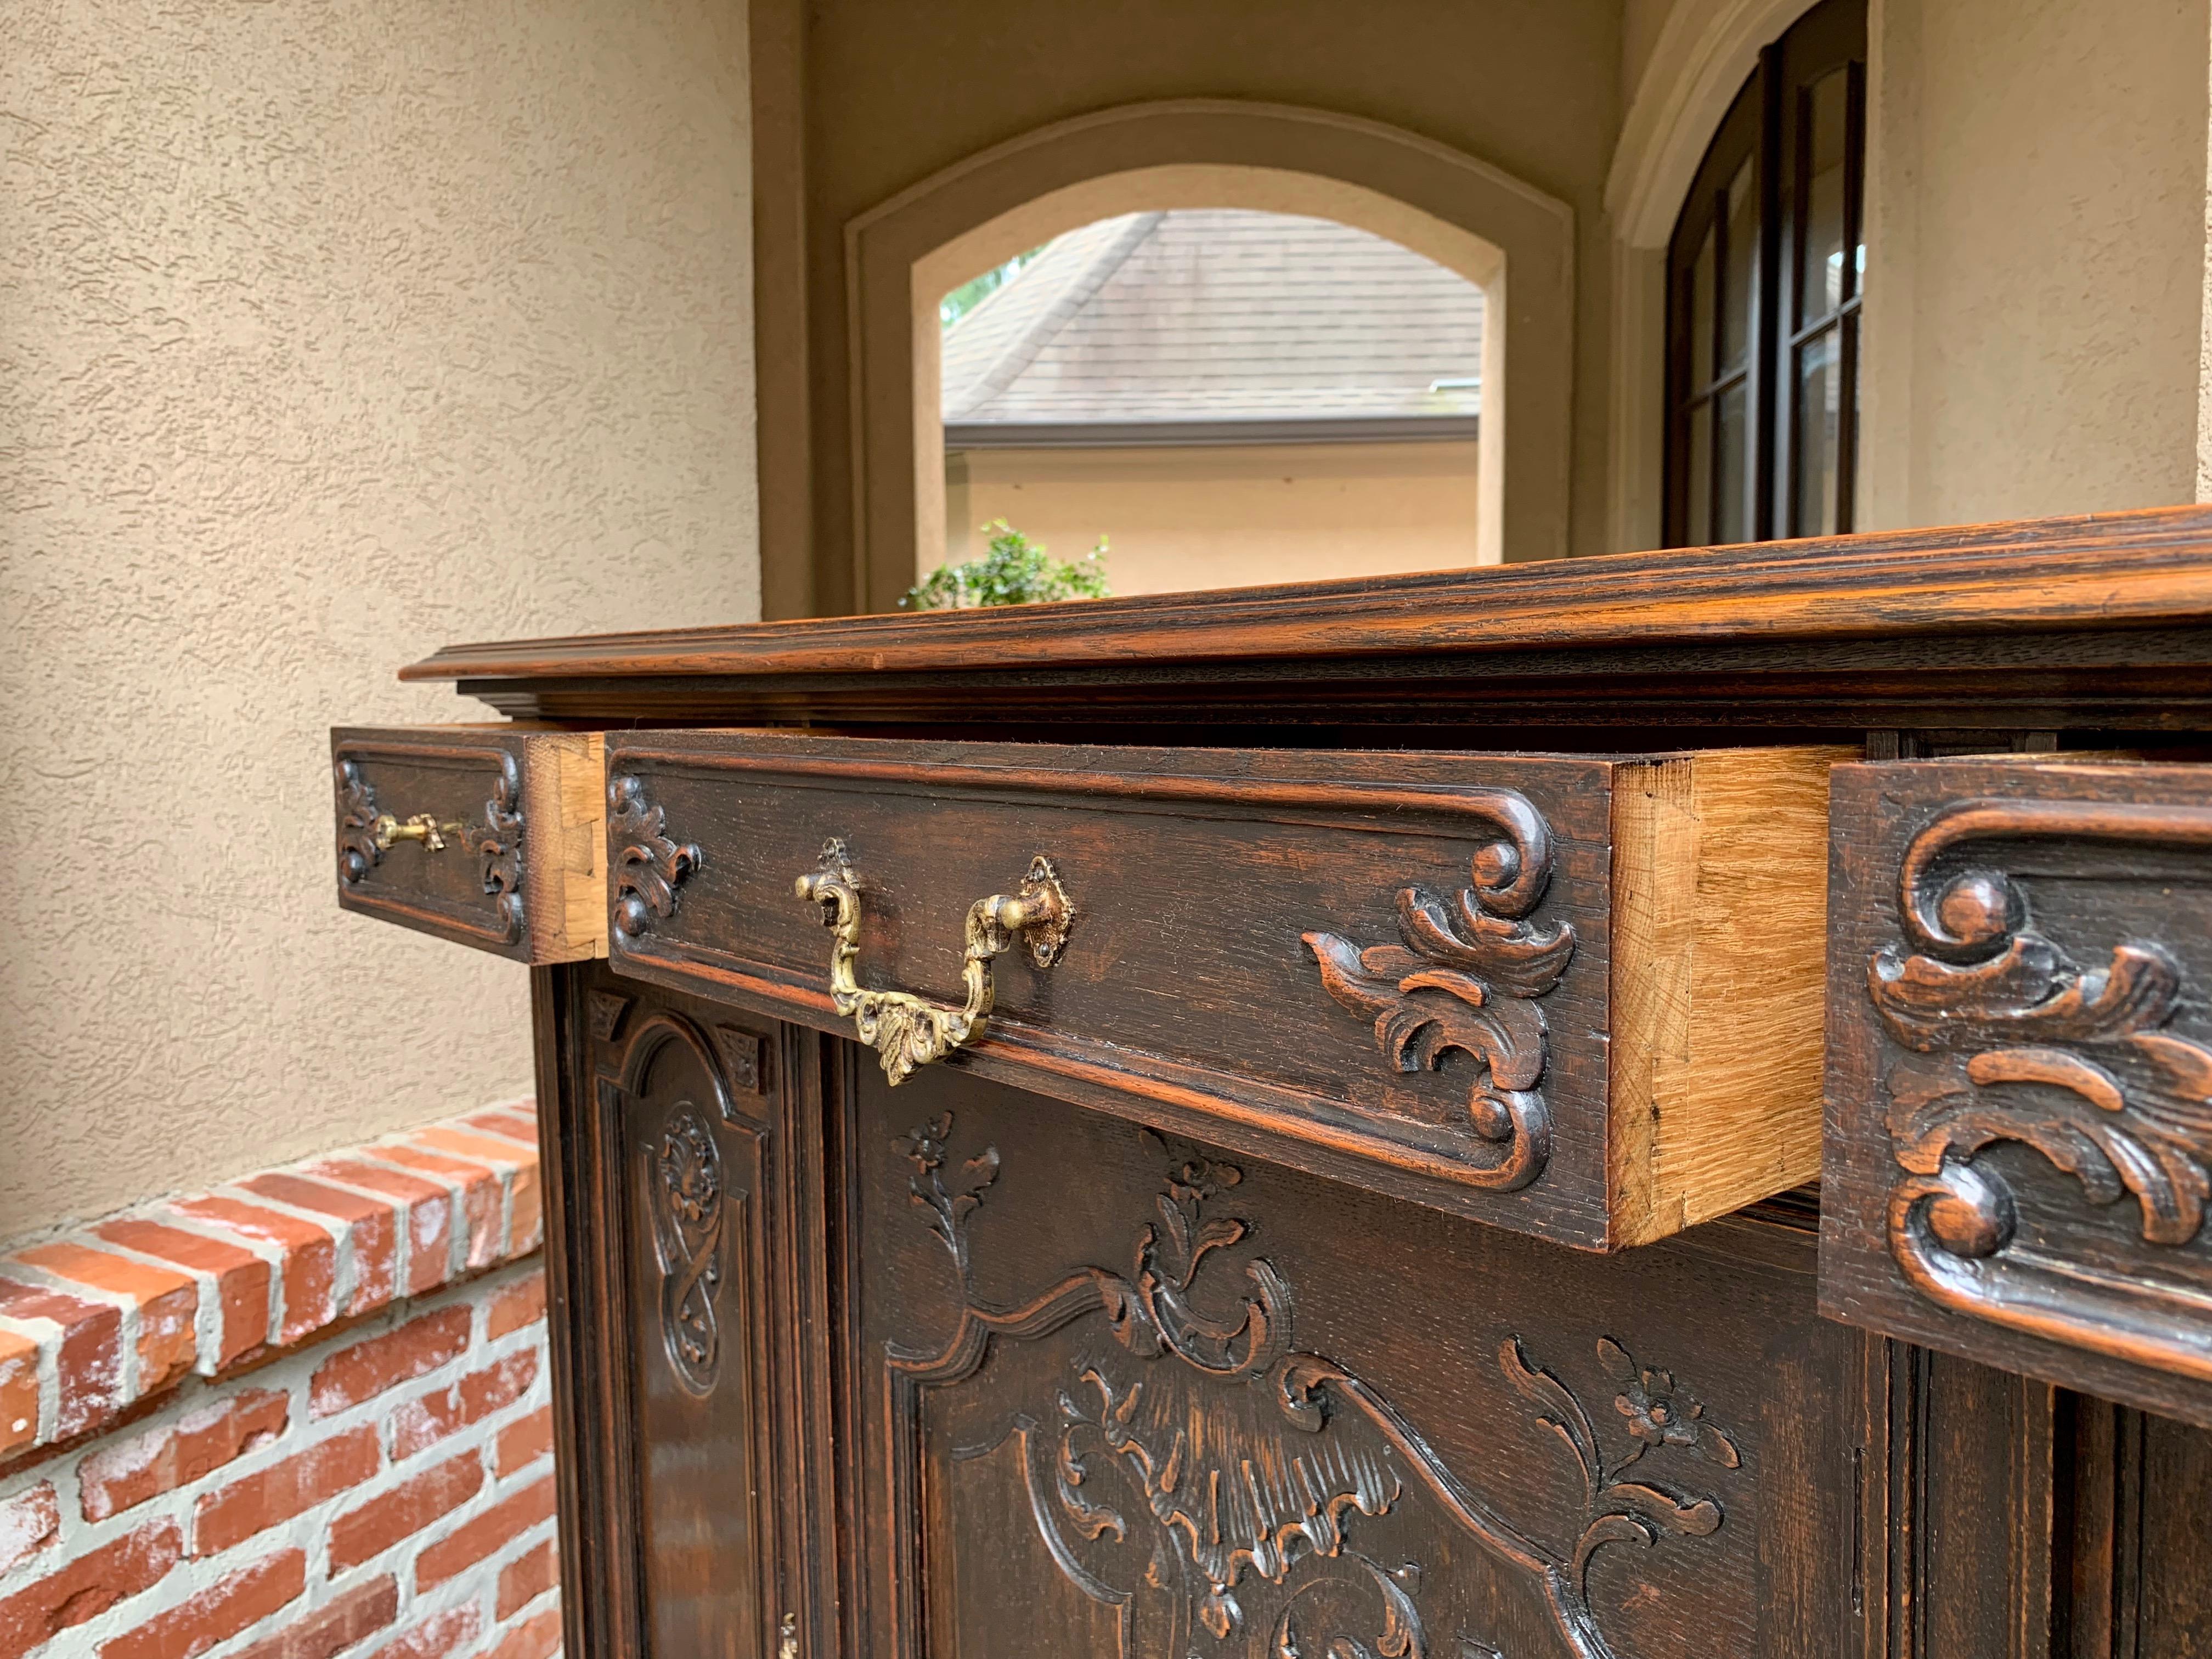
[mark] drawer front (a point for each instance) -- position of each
(1119, 1395)
(2019, 1117)
(485, 836)
(1405, 971)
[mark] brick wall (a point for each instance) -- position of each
(303, 1416)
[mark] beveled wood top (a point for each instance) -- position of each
(2102, 620)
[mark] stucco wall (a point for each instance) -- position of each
(1228, 517)
(328, 333)
(2036, 243)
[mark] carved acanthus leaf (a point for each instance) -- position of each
(2009, 1040)
(1466, 979)
(499, 844)
(647, 864)
(358, 851)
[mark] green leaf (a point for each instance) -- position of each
(1015, 570)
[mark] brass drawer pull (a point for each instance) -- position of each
(423, 827)
(907, 1031)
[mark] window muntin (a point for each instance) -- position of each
(1764, 275)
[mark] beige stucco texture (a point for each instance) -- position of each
(2036, 255)
(328, 333)
(1232, 516)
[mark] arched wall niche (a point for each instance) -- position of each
(1512, 240)
(1705, 50)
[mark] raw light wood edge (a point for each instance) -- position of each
(564, 813)
(1720, 910)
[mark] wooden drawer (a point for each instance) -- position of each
(2019, 1074)
(1576, 997)
(488, 836)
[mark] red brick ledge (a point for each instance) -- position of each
(98, 1320)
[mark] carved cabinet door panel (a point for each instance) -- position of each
(1117, 1395)
(673, 1322)
(2018, 1123)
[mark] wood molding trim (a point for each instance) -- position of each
(2137, 570)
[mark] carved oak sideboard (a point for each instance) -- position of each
(1647, 1107)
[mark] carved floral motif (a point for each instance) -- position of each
(648, 866)
(1195, 1469)
(924, 1148)
(1467, 978)
(687, 1235)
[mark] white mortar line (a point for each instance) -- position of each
(48, 1336)
(124, 1303)
(403, 1221)
(207, 1316)
(505, 1168)
(456, 1207)
(272, 1255)
(340, 1232)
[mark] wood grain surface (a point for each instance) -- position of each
(1720, 901)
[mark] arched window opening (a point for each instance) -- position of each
(1223, 397)
(1763, 277)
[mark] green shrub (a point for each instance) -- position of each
(1015, 571)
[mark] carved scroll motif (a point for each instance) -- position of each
(687, 1239)
(358, 852)
(499, 844)
(648, 866)
(2011, 1038)
(1467, 978)
(1198, 1471)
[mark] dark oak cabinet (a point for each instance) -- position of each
(1459, 1117)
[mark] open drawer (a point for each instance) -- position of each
(488, 835)
(2019, 1148)
(1576, 997)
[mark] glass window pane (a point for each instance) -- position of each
(1743, 285)
(1701, 315)
(1697, 527)
(1732, 460)
(1817, 433)
(1823, 134)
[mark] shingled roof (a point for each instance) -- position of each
(1216, 325)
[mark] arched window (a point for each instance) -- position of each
(1763, 272)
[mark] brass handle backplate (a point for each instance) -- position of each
(909, 1031)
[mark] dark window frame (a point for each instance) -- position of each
(1768, 126)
